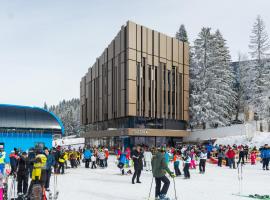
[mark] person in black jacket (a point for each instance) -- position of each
(23, 174)
(241, 156)
(137, 158)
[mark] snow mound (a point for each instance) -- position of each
(259, 139)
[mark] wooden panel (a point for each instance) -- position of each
(156, 43)
(144, 39)
(123, 78)
(131, 109)
(186, 115)
(175, 50)
(181, 52)
(149, 42)
(132, 54)
(186, 69)
(139, 39)
(117, 44)
(186, 53)
(110, 107)
(131, 70)
(162, 45)
(169, 48)
(186, 82)
(131, 35)
(122, 38)
(186, 100)
(111, 50)
(131, 91)
(123, 103)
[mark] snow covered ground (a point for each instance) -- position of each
(108, 184)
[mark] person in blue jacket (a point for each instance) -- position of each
(265, 155)
(87, 157)
(49, 165)
(122, 161)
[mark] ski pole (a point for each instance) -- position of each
(150, 188)
(174, 189)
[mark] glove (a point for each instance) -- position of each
(172, 175)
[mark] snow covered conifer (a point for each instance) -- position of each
(181, 34)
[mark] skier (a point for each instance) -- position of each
(122, 160)
(203, 157)
(137, 157)
(87, 157)
(13, 160)
(101, 158)
(176, 163)
(187, 160)
(231, 157)
(192, 164)
(93, 160)
(2, 160)
(49, 164)
(106, 151)
(220, 156)
(22, 175)
(265, 155)
(241, 156)
(253, 158)
(147, 157)
(159, 169)
(61, 162)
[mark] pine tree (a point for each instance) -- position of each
(200, 106)
(45, 106)
(221, 88)
(181, 34)
(212, 97)
(259, 46)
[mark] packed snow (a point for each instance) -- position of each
(108, 184)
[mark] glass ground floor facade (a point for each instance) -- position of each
(130, 141)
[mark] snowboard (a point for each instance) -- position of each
(255, 196)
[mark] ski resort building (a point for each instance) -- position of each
(137, 91)
(27, 127)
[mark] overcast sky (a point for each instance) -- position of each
(47, 46)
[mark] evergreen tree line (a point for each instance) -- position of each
(69, 113)
(219, 90)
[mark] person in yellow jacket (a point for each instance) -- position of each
(61, 161)
(66, 157)
(39, 168)
(2, 161)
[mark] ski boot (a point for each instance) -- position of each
(163, 197)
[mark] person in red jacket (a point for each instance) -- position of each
(231, 157)
(106, 156)
(253, 157)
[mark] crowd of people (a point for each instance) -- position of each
(37, 165)
(31, 171)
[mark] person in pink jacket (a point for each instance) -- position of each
(192, 164)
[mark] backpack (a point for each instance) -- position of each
(36, 192)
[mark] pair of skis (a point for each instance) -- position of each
(55, 194)
(240, 177)
(175, 195)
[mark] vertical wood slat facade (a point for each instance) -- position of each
(141, 73)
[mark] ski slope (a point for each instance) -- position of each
(108, 184)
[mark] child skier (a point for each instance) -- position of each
(176, 163)
(121, 163)
(192, 164)
(253, 157)
(93, 160)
